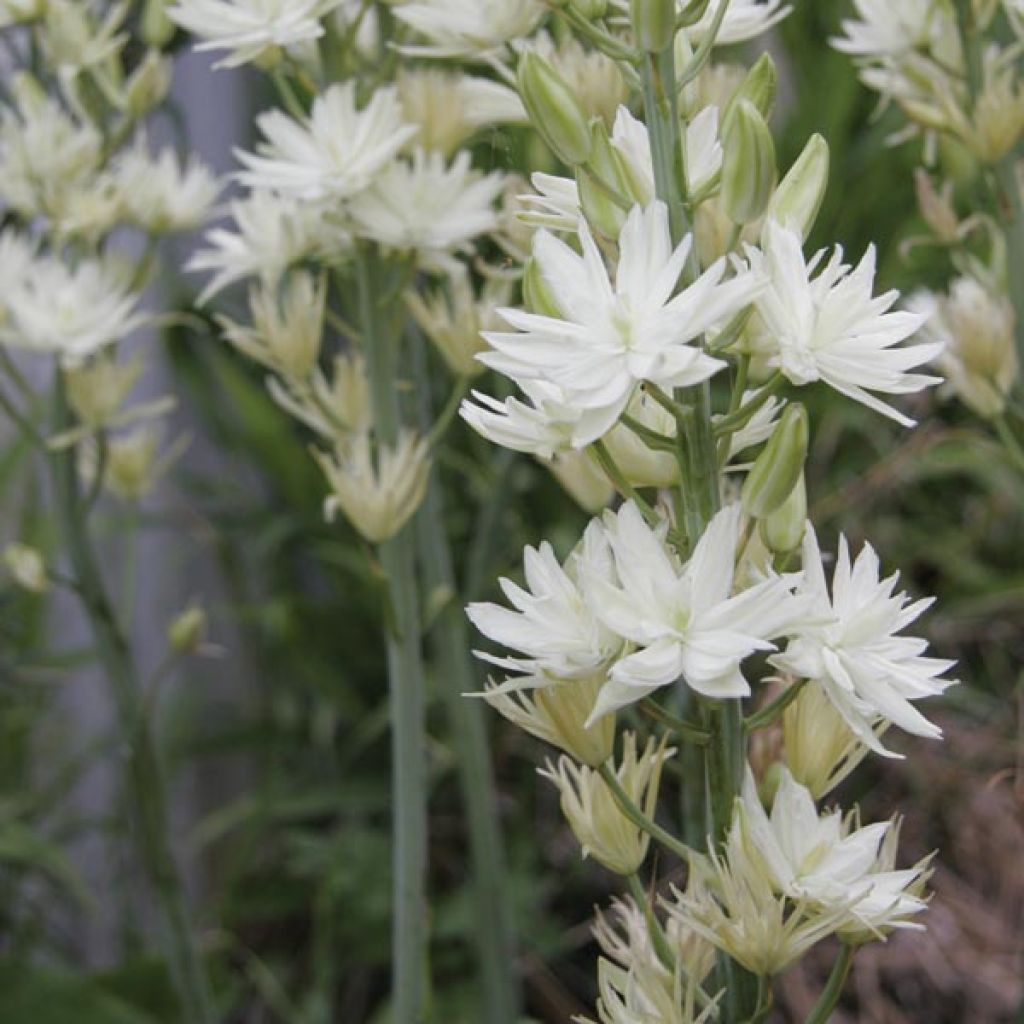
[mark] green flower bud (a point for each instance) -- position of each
(654, 24)
(749, 171)
(149, 84)
(605, 193)
(693, 12)
(798, 198)
(537, 294)
(779, 466)
(760, 87)
(155, 28)
(603, 214)
(188, 631)
(590, 9)
(553, 110)
(783, 530)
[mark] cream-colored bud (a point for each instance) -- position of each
(97, 390)
(132, 464)
(593, 813)
(582, 480)
(820, 749)
(188, 630)
(782, 531)
(378, 495)
(642, 465)
(149, 84)
(778, 468)
(27, 568)
(801, 192)
(553, 109)
(556, 711)
(453, 318)
(592, 76)
(155, 28)
(749, 171)
(996, 124)
(936, 207)
(286, 332)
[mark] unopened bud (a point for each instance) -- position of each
(27, 568)
(779, 466)
(537, 293)
(589, 9)
(654, 24)
(693, 12)
(782, 531)
(155, 28)
(936, 206)
(760, 87)
(749, 171)
(553, 110)
(798, 198)
(603, 184)
(149, 84)
(188, 631)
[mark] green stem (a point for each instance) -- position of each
(685, 730)
(1010, 442)
(448, 413)
(654, 929)
(495, 938)
(621, 484)
(829, 998)
(410, 969)
(743, 415)
(1011, 216)
(145, 785)
(638, 818)
(770, 714)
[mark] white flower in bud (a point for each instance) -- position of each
(593, 812)
(97, 390)
(378, 495)
(448, 108)
(69, 312)
(582, 479)
(251, 29)
(615, 334)
(640, 464)
(286, 332)
(271, 233)
(594, 78)
(685, 620)
(996, 123)
(133, 463)
(452, 317)
(850, 644)
(556, 711)
(979, 354)
(832, 328)
(159, 194)
(336, 406)
(428, 205)
(27, 568)
(827, 862)
(468, 29)
(553, 624)
(336, 153)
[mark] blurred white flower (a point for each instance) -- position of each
(552, 623)
(468, 28)
(12, 12)
(849, 644)
(426, 205)
(162, 196)
(250, 28)
(271, 233)
(885, 29)
(832, 328)
(17, 254)
(685, 620)
(744, 20)
(618, 333)
(70, 312)
(74, 38)
(336, 153)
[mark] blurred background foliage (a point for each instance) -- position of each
(292, 841)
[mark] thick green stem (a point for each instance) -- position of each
(410, 971)
(144, 781)
(829, 998)
(495, 938)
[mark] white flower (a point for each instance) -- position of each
(828, 862)
(14, 11)
(74, 40)
(745, 19)
(552, 623)
(852, 649)
(271, 234)
(334, 155)
(468, 28)
(617, 334)
(885, 29)
(249, 28)
(162, 196)
(555, 205)
(69, 312)
(16, 259)
(685, 621)
(831, 328)
(428, 205)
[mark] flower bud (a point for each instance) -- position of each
(760, 87)
(149, 84)
(779, 466)
(654, 24)
(582, 480)
(155, 28)
(783, 530)
(749, 171)
(798, 198)
(936, 207)
(537, 294)
(603, 184)
(591, 10)
(27, 568)
(553, 110)
(188, 630)
(693, 12)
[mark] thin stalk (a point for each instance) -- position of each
(410, 969)
(1013, 446)
(495, 938)
(621, 484)
(770, 714)
(638, 818)
(1011, 216)
(686, 731)
(829, 998)
(654, 929)
(145, 786)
